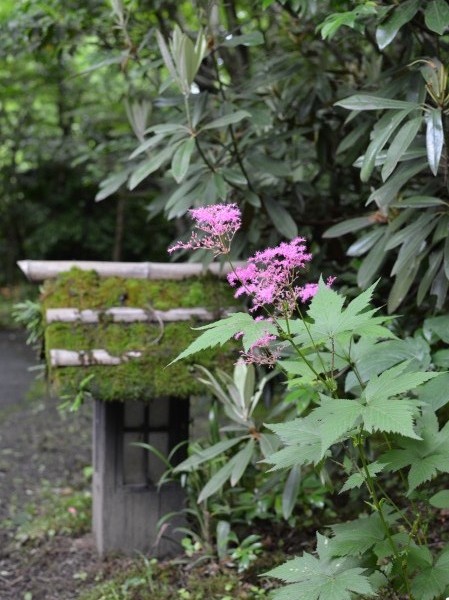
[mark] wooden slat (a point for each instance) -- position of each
(72, 358)
(128, 315)
(39, 270)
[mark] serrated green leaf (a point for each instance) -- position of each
(400, 15)
(426, 457)
(399, 145)
(357, 537)
(394, 381)
(431, 582)
(435, 393)
(227, 120)
(303, 444)
(356, 480)
(367, 102)
(440, 499)
(219, 332)
(335, 418)
(436, 16)
(389, 416)
(181, 159)
(434, 138)
(320, 578)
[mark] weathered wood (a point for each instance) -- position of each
(127, 315)
(73, 358)
(39, 270)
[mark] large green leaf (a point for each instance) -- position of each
(356, 537)
(219, 332)
(435, 393)
(181, 159)
(367, 102)
(394, 381)
(290, 492)
(436, 16)
(241, 461)
(320, 578)
(401, 14)
(399, 145)
(387, 193)
(150, 166)
(434, 138)
(281, 218)
(227, 120)
(207, 454)
(431, 582)
(253, 38)
(426, 457)
(335, 418)
(348, 226)
(380, 135)
(365, 243)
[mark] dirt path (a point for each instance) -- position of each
(39, 448)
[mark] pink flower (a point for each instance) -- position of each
(260, 353)
(217, 225)
(269, 275)
(72, 510)
(308, 291)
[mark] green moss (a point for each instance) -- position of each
(85, 289)
(148, 376)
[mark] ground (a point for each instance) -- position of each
(41, 451)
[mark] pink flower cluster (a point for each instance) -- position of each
(269, 276)
(217, 225)
(260, 352)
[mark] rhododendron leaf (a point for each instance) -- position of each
(207, 454)
(436, 16)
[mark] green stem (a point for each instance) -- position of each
(378, 505)
(301, 354)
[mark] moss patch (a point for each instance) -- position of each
(86, 289)
(147, 376)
